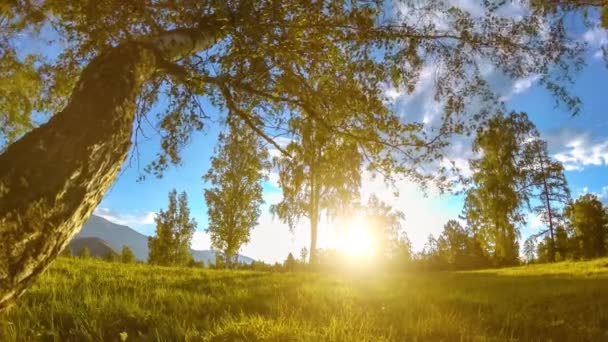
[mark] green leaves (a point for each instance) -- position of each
(174, 230)
(303, 60)
(235, 195)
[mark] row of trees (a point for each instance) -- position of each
(515, 176)
(126, 255)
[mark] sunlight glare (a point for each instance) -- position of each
(356, 240)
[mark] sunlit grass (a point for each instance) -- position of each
(82, 300)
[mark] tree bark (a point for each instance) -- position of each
(52, 179)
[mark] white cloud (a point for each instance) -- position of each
(523, 84)
(596, 38)
(581, 150)
(126, 219)
(200, 241)
(604, 193)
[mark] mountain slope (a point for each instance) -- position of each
(117, 236)
(98, 248)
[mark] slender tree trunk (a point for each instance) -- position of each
(52, 179)
(314, 219)
(549, 210)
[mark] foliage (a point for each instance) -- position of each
(174, 230)
(111, 257)
(85, 253)
(493, 205)
(390, 242)
(235, 196)
(318, 174)
(589, 220)
(290, 263)
(90, 300)
(545, 176)
(303, 254)
(307, 60)
(127, 256)
(530, 248)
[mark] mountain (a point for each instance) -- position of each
(98, 248)
(116, 236)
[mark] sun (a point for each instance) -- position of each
(356, 239)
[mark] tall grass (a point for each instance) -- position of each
(91, 300)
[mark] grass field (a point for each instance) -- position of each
(90, 300)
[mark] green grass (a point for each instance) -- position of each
(89, 300)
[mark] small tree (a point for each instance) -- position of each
(111, 257)
(303, 254)
(127, 256)
(85, 253)
(174, 230)
(235, 197)
(385, 225)
(219, 261)
(588, 219)
(530, 249)
(548, 177)
(290, 263)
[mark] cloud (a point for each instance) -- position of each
(126, 219)
(578, 149)
(200, 241)
(596, 38)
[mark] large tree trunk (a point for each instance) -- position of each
(52, 179)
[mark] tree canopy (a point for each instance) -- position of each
(273, 61)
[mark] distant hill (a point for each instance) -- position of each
(116, 236)
(98, 248)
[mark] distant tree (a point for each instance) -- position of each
(547, 176)
(530, 249)
(196, 264)
(588, 219)
(385, 225)
(111, 256)
(430, 258)
(220, 261)
(85, 253)
(303, 254)
(290, 263)
(494, 202)
(320, 173)
(403, 250)
(174, 230)
(453, 244)
(126, 255)
(564, 243)
(235, 196)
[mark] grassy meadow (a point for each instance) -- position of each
(92, 300)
